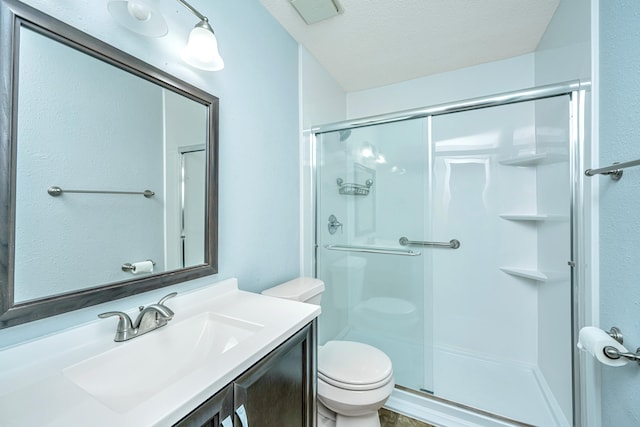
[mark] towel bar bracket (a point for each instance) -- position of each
(615, 174)
(614, 171)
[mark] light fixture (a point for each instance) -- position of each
(138, 16)
(201, 50)
(202, 47)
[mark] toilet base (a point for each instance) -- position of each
(368, 420)
(328, 418)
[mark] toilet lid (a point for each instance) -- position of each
(353, 365)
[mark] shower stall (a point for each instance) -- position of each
(446, 237)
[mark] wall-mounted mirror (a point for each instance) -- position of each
(108, 171)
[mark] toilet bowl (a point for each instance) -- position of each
(354, 379)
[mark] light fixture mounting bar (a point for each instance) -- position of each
(193, 10)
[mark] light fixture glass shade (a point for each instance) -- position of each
(201, 50)
(138, 16)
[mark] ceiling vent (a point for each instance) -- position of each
(313, 11)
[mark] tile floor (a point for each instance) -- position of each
(392, 419)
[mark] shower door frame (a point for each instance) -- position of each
(579, 227)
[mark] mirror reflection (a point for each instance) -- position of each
(108, 174)
(124, 134)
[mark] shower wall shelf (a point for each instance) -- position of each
(533, 274)
(526, 273)
(533, 217)
(351, 189)
(534, 159)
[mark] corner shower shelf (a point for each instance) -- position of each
(534, 159)
(537, 275)
(533, 217)
(526, 273)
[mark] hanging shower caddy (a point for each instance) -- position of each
(351, 189)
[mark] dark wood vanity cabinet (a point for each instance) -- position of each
(212, 412)
(278, 391)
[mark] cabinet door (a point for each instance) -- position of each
(280, 390)
(214, 412)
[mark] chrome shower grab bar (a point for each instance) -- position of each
(451, 244)
(55, 191)
(615, 170)
(372, 250)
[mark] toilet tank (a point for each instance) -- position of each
(304, 289)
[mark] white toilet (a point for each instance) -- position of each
(354, 379)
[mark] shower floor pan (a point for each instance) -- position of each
(507, 390)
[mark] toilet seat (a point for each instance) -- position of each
(353, 366)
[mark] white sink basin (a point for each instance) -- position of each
(123, 377)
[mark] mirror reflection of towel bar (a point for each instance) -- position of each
(55, 191)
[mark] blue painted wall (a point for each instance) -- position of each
(620, 201)
(259, 142)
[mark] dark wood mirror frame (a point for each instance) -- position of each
(13, 16)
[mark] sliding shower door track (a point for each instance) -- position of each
(430, 396)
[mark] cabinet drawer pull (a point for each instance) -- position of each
(242, 414)
(227, 422)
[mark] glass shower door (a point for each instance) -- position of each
(373, 189)
(502, 302)
(446, 241)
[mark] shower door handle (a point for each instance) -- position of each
(451, 244)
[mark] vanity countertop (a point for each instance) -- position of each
(35, 388)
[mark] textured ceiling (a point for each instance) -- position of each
(380, 42)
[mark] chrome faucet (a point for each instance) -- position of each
(151, 317)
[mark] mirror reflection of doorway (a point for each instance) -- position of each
(193, 163)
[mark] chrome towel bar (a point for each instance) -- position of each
(451, 244)
(614, 171)
(55, 191)
(372, 250)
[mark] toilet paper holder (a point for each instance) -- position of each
(128, 267)
(614, 353)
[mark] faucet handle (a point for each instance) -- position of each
(125, 327)
(166, 297)
(123, 323)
